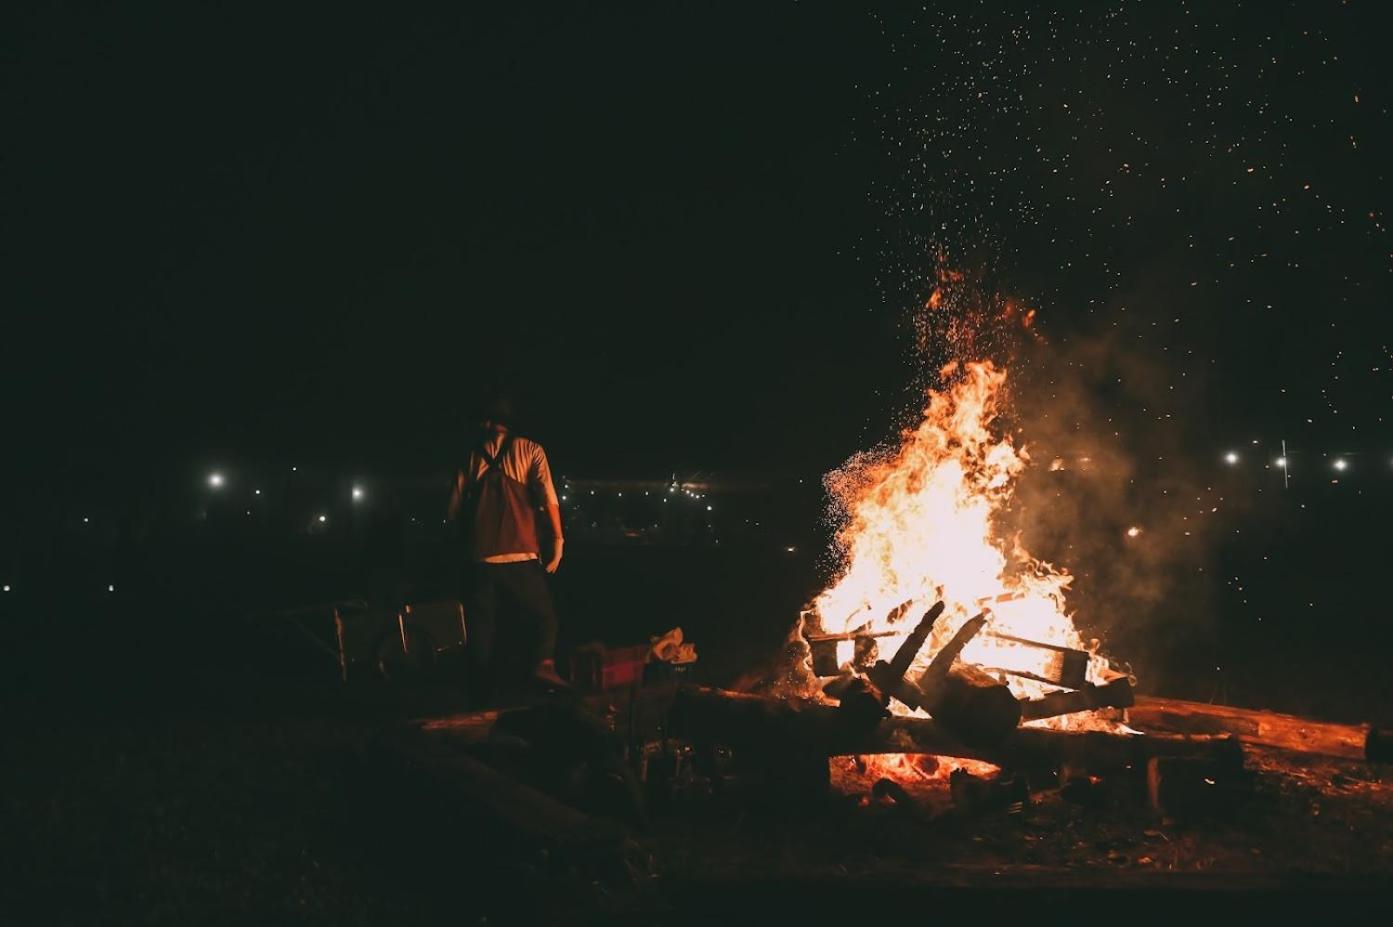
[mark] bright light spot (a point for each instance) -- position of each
(85, 519)
(708, 508)
(1340, 464)
(789, 549)
(110, 588)
(1230, 458)
(357, 493)
(563, 498)
(256, 492)
(1133, 531)
(293, 469)
(1282, 462)
(215, 480)
(323, 519)
(7, 587)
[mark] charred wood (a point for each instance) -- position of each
(1265, 728)
(1115, 694)
(762, 723)
(976, 708)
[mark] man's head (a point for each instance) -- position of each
(496, 415)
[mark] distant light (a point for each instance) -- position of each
(215, 480)
(323, 519)
(85, 519)
(1231, 458)
(1340, 464)
(110, 588)
(1282, 462)
(708, 508)
(357, 493)
(7, 587)
(563, 498)
(293, 469)
(256, 492)
(789, 549)
(1133, 531)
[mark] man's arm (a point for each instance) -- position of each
(456, 494)
(541, 479)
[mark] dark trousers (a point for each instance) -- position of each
(528, 636)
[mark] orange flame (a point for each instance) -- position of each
(919, 526)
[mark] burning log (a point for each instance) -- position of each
(932, 677)
(977, 708)
(1063, 666)
(1115, 694)
(1265, 728)
(889, 677)
(771, 725)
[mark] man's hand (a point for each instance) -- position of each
(555, 560)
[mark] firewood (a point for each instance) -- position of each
(771, 725)
(932, 677)
(1061, 666)
(1265, 728)
(1115, 694)
(904, 657)
(978, 709)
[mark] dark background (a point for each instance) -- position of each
(697, 238)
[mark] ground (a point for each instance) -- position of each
(221, 816)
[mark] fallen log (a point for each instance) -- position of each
(1265, 728)
(770, 725)
(1115, 694)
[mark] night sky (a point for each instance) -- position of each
(686, 236)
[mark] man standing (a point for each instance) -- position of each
(495, 501)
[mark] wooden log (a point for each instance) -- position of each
(1115, 694)
(763, 723)
(932, 677)
(978, 709)
(1058, 666)
(889, 677)
(904, 657)
(1265, 728)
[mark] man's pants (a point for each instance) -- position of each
(520, 588)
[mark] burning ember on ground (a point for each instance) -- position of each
(920, 528)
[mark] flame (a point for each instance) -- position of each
(919, 526)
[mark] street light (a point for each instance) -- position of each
(1340, 464)
(1231, 458)
(215, 480)
(357, 493)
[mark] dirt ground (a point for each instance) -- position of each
(200, 818)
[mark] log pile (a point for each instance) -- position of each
(968, 701)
